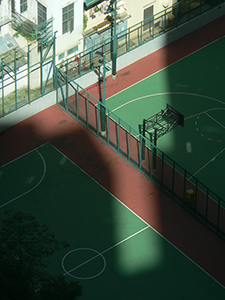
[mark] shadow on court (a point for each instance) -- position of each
(131, 258)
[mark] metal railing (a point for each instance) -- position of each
(129, 144)
(24, 79)
(19, 70)
(31, 31)
(139, 34)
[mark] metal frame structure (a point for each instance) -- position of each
(161, 123)
(158, 125)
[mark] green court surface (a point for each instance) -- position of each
(194, 86)
(113, 253)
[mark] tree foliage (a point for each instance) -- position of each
(24, 243)
(57, 288)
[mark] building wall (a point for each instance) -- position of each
(73, 41)
(5, 9)
(31, 12)
(137, 11)
(69, 40)
(134, 14)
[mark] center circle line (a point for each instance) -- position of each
(84, 263)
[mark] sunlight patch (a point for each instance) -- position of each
(140, 248)
(141, 254)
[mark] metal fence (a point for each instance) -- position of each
(32, 32)
(26, 74)
(130, 144)
(138, 34)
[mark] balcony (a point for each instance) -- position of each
(31, 31)
(97, 20)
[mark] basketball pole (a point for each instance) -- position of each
(114, 54)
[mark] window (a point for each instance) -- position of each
(61, 56)
(23, 6)
(68, 18)
(42, 13)
(148, 12)
(72, 50)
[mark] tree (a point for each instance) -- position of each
(24, 243)
(57, 288)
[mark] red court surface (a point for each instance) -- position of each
(53, 125)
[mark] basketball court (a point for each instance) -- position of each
(193, 86)
(113, 252)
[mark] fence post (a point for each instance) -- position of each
(162, 169)
(173, 178)
(54, 81)
(184, 191)
(77, 101)
(207, 201)
(128, 40)
(108, 126)
(41, 68)
(196, 190)
(218, 216)
(2, 87)
(28, 72)
(15, 78)
(128, 152)
(67, 85)
(118, 137)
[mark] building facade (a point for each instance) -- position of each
(66, 17)
(129, 13)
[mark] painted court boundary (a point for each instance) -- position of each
(178, 60)
(148, 226)
(33, 188)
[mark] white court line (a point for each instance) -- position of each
(148, 225)
(215, 120)
(172, 93)
(110, 248)
(21, 195)
(211, 160)
(165, 67)
(11, 161)
(210, 109)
